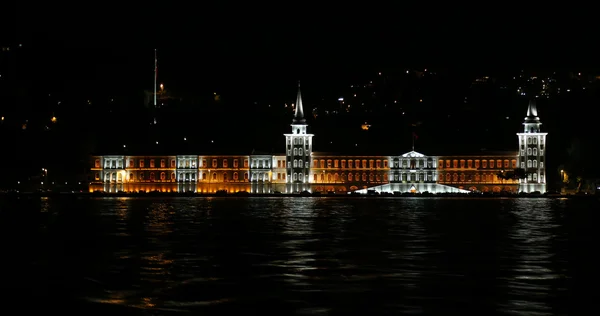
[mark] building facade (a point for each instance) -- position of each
(300, 169)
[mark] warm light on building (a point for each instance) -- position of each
(300, 169)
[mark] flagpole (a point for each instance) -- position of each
(413, 140)
(155, 75)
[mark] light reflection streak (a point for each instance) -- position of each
(532, 274)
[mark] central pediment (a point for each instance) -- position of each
(413, 154)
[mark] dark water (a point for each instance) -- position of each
(299, 256)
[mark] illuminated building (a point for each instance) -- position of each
(300, 169)
(532, 145)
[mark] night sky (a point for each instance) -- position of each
(261, 50)
(254, 56)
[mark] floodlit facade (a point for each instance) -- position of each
(301, 169)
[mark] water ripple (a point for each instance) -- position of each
(309, 256)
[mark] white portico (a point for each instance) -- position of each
(532, 149)
(413, 172)
(298, 146)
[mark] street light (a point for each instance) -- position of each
(45, 171)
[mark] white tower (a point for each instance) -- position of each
(532, 152)
(298, 147)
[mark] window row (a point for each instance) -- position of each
(357, 163)
(298, 164)
(412, 176)
(329, 178)
(162, 163)
(532, 152)
(191, 176)
(298, 152)
(462, 163)
(469, 177)
(298, 141)
(534, 140)
(260, 163)
(414, 163)
(532, 164)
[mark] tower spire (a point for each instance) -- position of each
(532, 121)
(532, 109)
(299, 113)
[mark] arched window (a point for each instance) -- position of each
(173, 176)
(315, 179)
(364, 177)
(300, 151)
(385, 177)
(535, 151)
(455, 177)
(235, 176)
(349, 177)
(151, 175)
(299, 163)
(300, 176)
(448, 177)
(329, 177)
(535, 163)
(245, 175)
(224, 176)
(163, 176)
(295, 176)
(322, 177)
(295, 152)
(336, 177)
(295, 163)
(370, 177)
(131, 176)
(528, 151)
(528, 163)
(214, 176)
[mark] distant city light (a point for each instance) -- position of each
(124, 146)
(157, 143)
(342, 99)
(184, 138)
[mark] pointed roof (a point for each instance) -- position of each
(299, 113)
(412, 154)
(532, 116)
